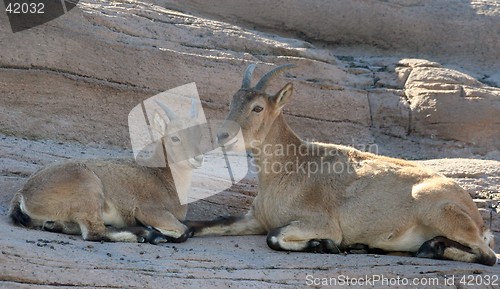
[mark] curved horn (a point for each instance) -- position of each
(247, 78)
(264, 81)
(170, 113)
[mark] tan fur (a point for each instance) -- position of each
(382, 202)
(83, 196)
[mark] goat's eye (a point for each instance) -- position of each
(257, 109)
(175, 139)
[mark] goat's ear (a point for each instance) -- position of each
(282, 97)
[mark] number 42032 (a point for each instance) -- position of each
(25, 8)
(475, 280)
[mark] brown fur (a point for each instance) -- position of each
(381, 202)
(86, 196)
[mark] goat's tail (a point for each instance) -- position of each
(17, 216)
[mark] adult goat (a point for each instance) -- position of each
(321, 197)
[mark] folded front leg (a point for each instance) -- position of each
(307, 237)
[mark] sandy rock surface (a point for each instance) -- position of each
(29, 257)
(410, 79)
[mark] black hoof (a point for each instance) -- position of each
(52, 227)
(325, 246)
(272, 240)
(146, 234)
(156, 237)
(432, 249)
(357, 249)
(180, 239)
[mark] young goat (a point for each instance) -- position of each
(115, 200)
(319, 197)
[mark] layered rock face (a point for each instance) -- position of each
(468, 29)
(78, 76)
(448, 104)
